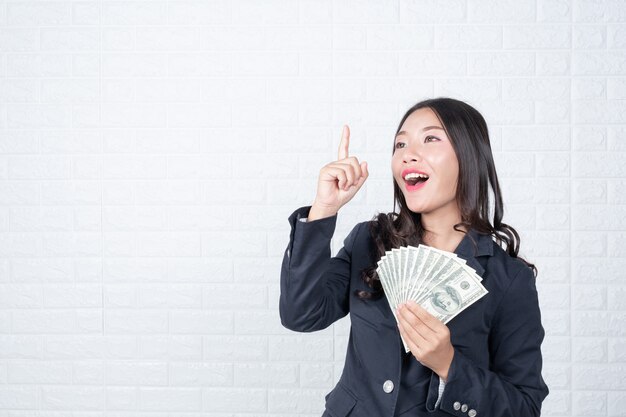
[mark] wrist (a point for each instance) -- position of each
(320, 212)
(445, 371)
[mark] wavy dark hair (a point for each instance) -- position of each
(469, 137)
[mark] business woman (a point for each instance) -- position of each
(487, 360)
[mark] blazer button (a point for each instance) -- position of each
(456, 406)
(464, 407)
(471, 413)
(388, 386)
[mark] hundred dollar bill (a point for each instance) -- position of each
(453, 294)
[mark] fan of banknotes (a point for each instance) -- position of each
(441, 282)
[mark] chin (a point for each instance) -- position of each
(416, 208)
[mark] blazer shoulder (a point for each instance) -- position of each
(360, 232)
(506, 263)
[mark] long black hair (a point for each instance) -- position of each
(469, 137)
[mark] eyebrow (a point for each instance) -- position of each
(402, 132)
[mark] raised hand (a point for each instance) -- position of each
(338, 181)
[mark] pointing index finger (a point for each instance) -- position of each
(344, 143)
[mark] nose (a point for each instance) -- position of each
(412, 153)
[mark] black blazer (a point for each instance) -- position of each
(496, 369)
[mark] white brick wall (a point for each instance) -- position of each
(151, 151)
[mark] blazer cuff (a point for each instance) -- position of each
(463, 394)
(325, 226)
(435, 392)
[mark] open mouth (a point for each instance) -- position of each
(415, 178)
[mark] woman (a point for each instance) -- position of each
(487, 360)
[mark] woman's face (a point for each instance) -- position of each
(422, 145)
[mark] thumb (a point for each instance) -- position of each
(364, 174)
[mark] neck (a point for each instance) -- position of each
(440, 231)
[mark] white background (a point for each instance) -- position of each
(151, 152)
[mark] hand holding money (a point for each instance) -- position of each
(338, 181)
(427, 338)
(439, 281)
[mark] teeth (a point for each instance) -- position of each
(415, 175)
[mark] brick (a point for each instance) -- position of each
(559, 402)
(39, 14)
(170, 399)
(434, 64)
(244, 348)
(554, 11)
(70, 39)
(118, 13)
(589, 349)
(508, 11)
(500, 63)
(614, 135)
(69, 91)
(161, 38)
(271, 375)
(595, 217)
(200, 374)
(537, 37)
(448, 11)
(590, 323)
(142, 64)
(143, 373)
(19, 91)
(171, 347)
(598, 377)
(295, 401)
(551, 63)
(86, 13)
(554, 296)
(220, 296)
(19, 39)
(199, 322)
(385, 37)
(591, 88)
(598, 269)
(598, 63)
(551, 112)
(230, 398)
(38, 115)
(77, 295)
(486, 88)
(536, 89)
(615, 403)
(121, 398)
(169, 296)
(314, 11)
(589, 37)
(192, 13)
(557, 376)
(305, 348)
(589, 192)
(126, 321)
(589, 297)
(22, 397)
(616, 350)
(590, 404)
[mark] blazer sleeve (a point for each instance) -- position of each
(513, 385)
(314, 288)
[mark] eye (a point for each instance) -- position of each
(398, 145)
(430, 137)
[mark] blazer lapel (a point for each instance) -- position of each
(472, 246)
